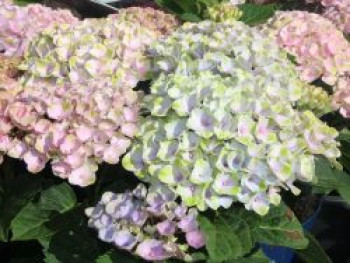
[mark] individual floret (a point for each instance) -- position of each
(147, 223)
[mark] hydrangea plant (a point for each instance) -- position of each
(147, 223)
(18, 25)
(77, 107)
(223, 122)
(320, 49)
(93, 49)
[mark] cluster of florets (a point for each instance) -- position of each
(76, 126)
(223, 125)
(338, 11)
(8, 70)
(148, 223)
(77, 106)
(223, 12)
(315, 99)
(107, 49)
(9, 87)
(155, 20)
(341, 98)
(19, 25)
(320, 49)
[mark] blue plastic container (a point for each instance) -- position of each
(283, 254)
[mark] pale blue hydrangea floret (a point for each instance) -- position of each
(147, 223)
(223, 123)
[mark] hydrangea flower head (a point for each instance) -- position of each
(148, 223)
(338, 11)
(320, 49)
(155, 20)
(315, 99)
(77, 107)
(18, 25)
(223, 12)
(223, 122)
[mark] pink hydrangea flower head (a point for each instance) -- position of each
(19, 25)
(74, 104)
(320, 49)
(337, 11)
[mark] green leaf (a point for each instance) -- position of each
(222, 243)
(118, 256)
(29, 224)
(74, 245)
(16, 191)
(257, 257)
(279, 227)
(242, 230)
(190, 17)
(60, 198)
(25, 2)
(170, 5)
(345, 193)
(344, 135)
(49, 257)
(328, 177)
(256, 14)
(39, 220)
(233, 233)
(62, 223)
(187, 6)
(228, 237)
(314, 253)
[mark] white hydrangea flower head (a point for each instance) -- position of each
(224, 124)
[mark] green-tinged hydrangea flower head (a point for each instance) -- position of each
(223, 12)
(106, 48)
(315, 99)
(223, 124)
(111, 48)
